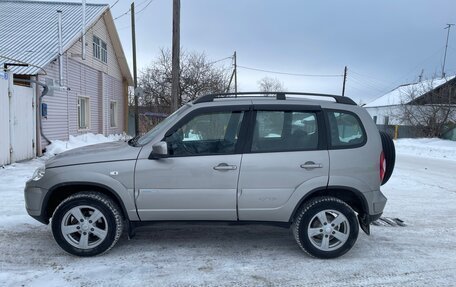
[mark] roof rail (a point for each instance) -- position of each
(278, 96)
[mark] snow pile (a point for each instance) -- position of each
(59, 146)
(427, 147)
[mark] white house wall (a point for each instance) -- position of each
(392, 112)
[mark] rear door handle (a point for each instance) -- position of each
(311, 165)
(225, 166)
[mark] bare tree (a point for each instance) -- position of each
(268, 84)
(198, 76)
(430, 106)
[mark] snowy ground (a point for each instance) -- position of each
(422, 192)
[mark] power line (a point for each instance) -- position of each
(145, 7)
(136, 13)
(112, 6)
(370, 83)
(123, 14)
(286, 73)
(224, 59)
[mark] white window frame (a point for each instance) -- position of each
(87, 113)
(100, 49)
(113, 116)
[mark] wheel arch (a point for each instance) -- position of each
(353, 197)
(59, 192)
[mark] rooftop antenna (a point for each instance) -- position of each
(446, 48)
(420, 77)
(59, 25)
(59, 21)
(83, 29)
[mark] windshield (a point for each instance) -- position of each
(150, 135)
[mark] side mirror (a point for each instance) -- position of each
(159, 150)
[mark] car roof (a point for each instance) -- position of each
(275, 98)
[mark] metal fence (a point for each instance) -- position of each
(149, 117)
(397, 131)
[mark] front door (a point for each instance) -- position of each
(287, 158)
(198, 180)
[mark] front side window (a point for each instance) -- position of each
(206, 134)
(285, 131)
(83, 113)
(100, 49)
(345, 129)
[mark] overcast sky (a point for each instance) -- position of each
(383, 43)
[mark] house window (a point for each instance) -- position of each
(100, 49)
(375, 119)
(386, 121)
(83, 113)
(113, 114)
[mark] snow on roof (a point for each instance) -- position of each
(402, 93)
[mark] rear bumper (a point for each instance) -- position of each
(376, 203)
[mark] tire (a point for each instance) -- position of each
(77, 232)
(390, 155)
(311, 234)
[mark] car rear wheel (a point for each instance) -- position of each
(87, 224)
(325, 227)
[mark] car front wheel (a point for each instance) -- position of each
(87, 224)
(326, 227)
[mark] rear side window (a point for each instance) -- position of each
(276, 131)
(346, 130)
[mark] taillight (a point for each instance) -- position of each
(382, 166)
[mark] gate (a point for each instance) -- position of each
(4, 119)
(17, 121)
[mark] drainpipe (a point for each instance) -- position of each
(59, 19)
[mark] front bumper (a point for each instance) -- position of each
(34, 197)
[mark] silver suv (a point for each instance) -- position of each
(292, 159)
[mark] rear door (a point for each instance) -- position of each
(286, 157)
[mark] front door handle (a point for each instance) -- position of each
(225, 166)
(311, 165)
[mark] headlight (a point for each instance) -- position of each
(38, 174)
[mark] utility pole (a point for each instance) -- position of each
(135, 78)
(345, 80)
(446, 48)
(175, 56)
(235, 73)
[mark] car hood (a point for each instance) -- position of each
(112, 151)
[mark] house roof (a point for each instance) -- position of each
(28, 32)
(401, 94)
